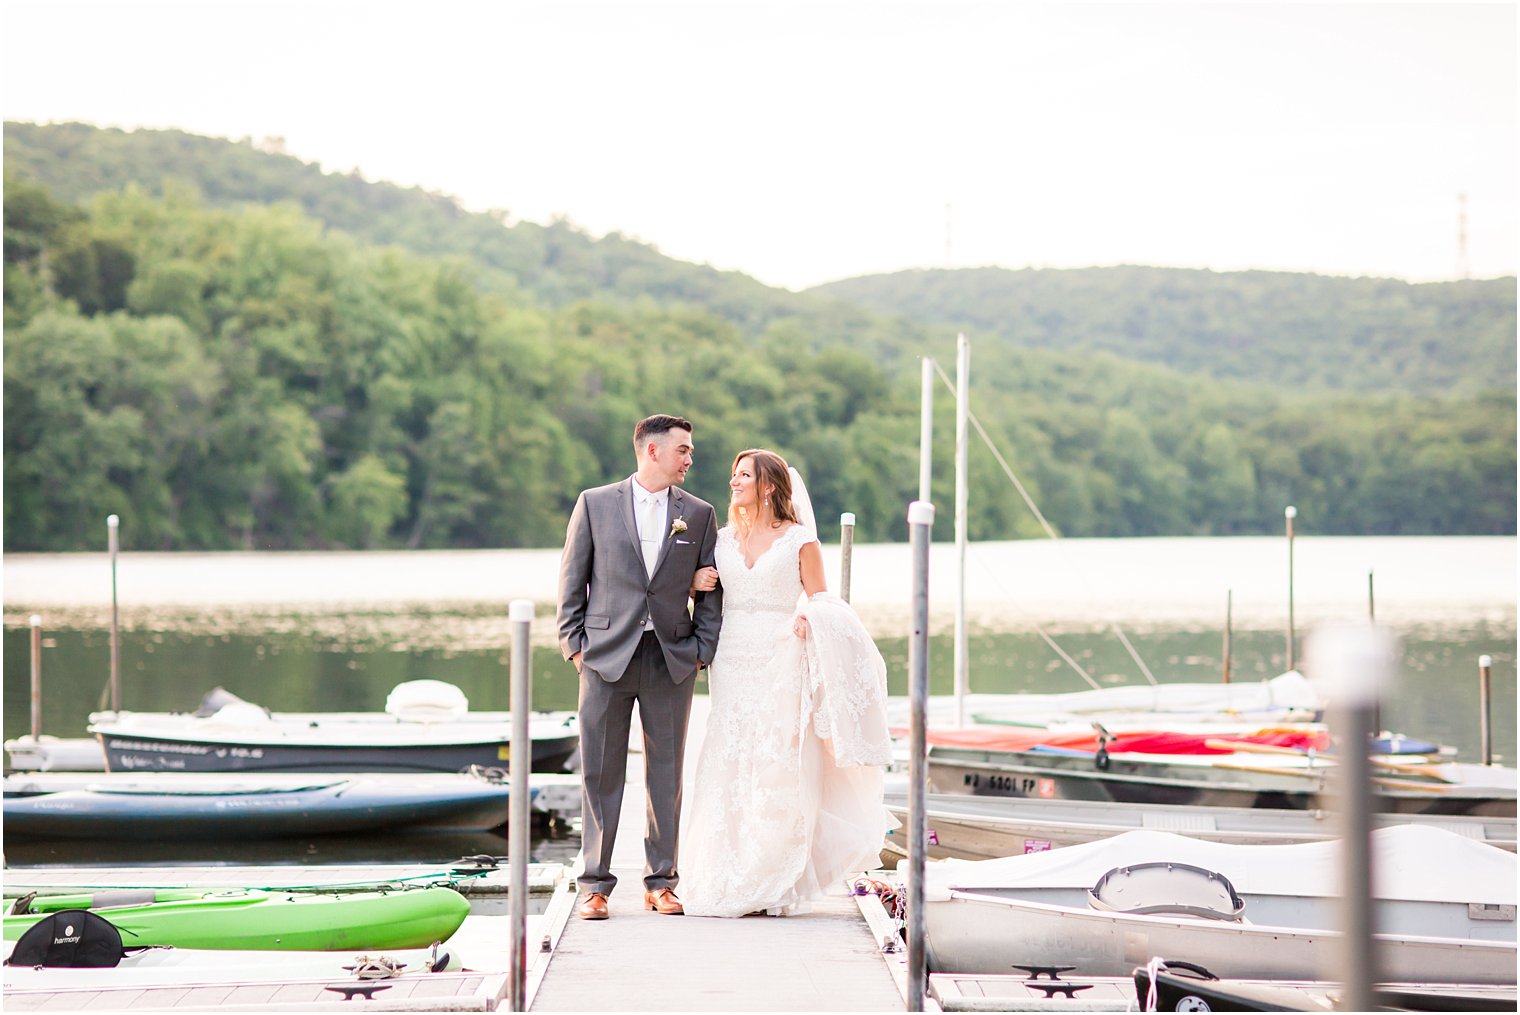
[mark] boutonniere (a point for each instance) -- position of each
(678, 526)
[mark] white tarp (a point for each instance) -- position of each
(1410, 862)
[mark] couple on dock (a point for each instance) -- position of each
(787, 796)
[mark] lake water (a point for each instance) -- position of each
(336, 631)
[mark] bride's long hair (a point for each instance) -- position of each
(770, 471)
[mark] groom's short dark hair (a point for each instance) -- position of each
(658, 426)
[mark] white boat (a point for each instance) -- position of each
(47, 753)
(1287, 697)
(1446, 908)
(427, 727)
(986, 828)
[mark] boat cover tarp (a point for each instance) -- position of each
(1410, 862)
(1159, 741)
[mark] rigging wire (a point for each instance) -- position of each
(1050, 532)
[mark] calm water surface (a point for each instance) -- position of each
(309, 632)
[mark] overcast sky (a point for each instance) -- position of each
(806, 142)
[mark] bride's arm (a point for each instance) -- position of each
(813, 581)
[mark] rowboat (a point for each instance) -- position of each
(1282, 781)
(263, 921)
(1446, 909)
(426, 727)
(222, 805)
(1051, 990)
(985, 827)
(1183, 986)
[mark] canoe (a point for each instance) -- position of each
(985, 827)
(414, 734)
(263, 921)
(1287, 781)
(160, 805)
(1446, 908)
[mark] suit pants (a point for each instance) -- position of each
(606, 718)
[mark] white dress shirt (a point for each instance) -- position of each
(649, 511)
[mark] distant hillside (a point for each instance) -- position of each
(555, 264)
(1292, 331)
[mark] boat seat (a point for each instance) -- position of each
(426, 701)
(1155, 889)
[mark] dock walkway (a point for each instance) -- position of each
(826, 960)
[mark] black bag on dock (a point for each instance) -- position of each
(69, 938)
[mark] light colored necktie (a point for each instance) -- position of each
(650, 536)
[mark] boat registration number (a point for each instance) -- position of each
(1010, 785)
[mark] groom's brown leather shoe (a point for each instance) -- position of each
(593, 907)
(663, 900)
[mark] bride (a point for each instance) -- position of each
(788, 797)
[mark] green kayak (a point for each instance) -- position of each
(263, 921)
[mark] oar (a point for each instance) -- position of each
(1302, 773)
(1249, 747)
(1254, 748)
(1420, 770)
(1423, 787)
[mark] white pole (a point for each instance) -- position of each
(37, 681)
(846, 551)
(920, 521)
(112, 522)
(1485, 705)
(962, 485)
(519, 764)
(925, 428)
(1290, 513)
(1354, 663)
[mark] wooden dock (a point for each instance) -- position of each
(827, 960)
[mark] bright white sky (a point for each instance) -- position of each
(806, 142)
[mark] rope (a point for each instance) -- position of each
(1151, 967)
(376, 967)
(1135, 655)
(891, 899)
(1050, 532)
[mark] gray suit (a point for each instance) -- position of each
(605, 595)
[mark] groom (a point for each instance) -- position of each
(631, 551)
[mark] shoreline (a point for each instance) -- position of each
(1009, 587)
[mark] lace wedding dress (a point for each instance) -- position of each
(787, 799)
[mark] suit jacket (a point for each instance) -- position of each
(605, 592)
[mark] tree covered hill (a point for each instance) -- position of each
(555, 264)
(230, 348)
(1294, 331)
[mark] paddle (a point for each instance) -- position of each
(1392, 766)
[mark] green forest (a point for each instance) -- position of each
(230, 348)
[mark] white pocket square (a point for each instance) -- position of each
(683, 542)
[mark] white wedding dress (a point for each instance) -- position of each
(788, 791)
